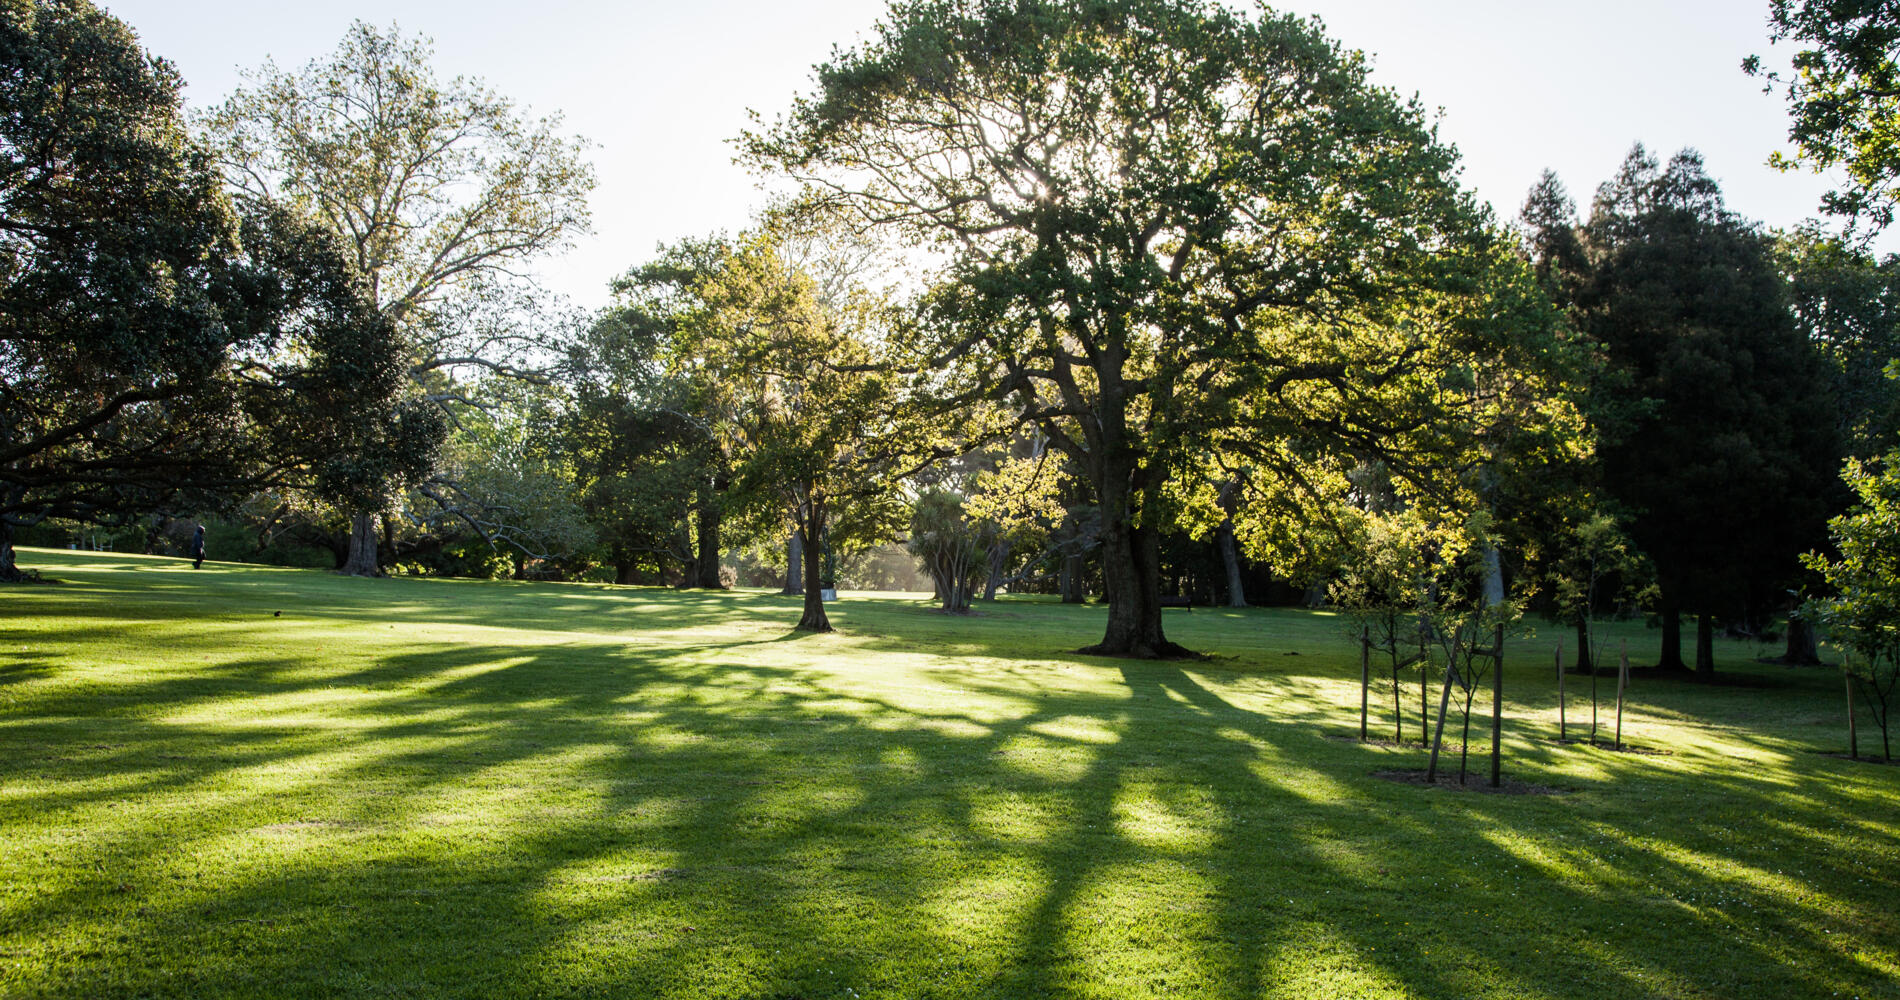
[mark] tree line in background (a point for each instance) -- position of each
(1141, 300)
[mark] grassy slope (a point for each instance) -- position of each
(432, 788)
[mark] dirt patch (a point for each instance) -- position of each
(1375, 741)
(1862, 759)
(1609, 746)
(1473, 783)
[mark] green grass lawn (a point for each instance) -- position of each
(255, 782)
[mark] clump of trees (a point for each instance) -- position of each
(440, 192)
(951, 546)
(1708, 451)
(162, 347)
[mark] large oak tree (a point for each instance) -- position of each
(1166, 231)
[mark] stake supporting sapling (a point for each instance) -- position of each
(1365, 678)
(1593, 704)
(1497, 709)
(1563, 730)
(1622, 683)
(1444, 705)
(1398, 709)
(1853, 736)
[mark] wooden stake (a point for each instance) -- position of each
(1563, 730)
(1444, 705)
(1853, 736)
(1593, 701)
(1497, 710)
(1622, 682)
(1365, 677)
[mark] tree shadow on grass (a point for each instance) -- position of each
(674, 818)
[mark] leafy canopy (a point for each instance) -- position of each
(158, 349)
(1843, 98)
(1169, 233)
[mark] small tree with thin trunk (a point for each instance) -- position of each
(1469, 618)
(1863, 617)
(950, 545)
(1382, 587)
(817, 426)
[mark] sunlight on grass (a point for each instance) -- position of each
(435, 788)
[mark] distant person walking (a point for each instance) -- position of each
(198, 547)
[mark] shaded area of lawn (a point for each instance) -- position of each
(575, 791)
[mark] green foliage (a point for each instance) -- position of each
(951, 545)
(1864, 615)
(1847, 302)
(642, 434)
(505, 479)
(1841, 98)
(1715, 414)
(159, 350)
(816, 424)
(433, 184)
(1175, 238)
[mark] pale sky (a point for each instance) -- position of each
(659, 88)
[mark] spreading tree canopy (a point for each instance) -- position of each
(158, 350)
(1843, 99)
(439, 192)
(1170, 235)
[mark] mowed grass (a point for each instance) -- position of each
(253, 782)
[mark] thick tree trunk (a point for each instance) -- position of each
(706, 567)
(1230, 558)
(1804, 644)
(794, 564)
(998, 559)
(1671, 656)
(623, 571)
(9, 567)
(1493, 576)
(1073, 591)
(1705, 646)
(362, 556)
(813, 619)
(1131, 578)
(1585, 664)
